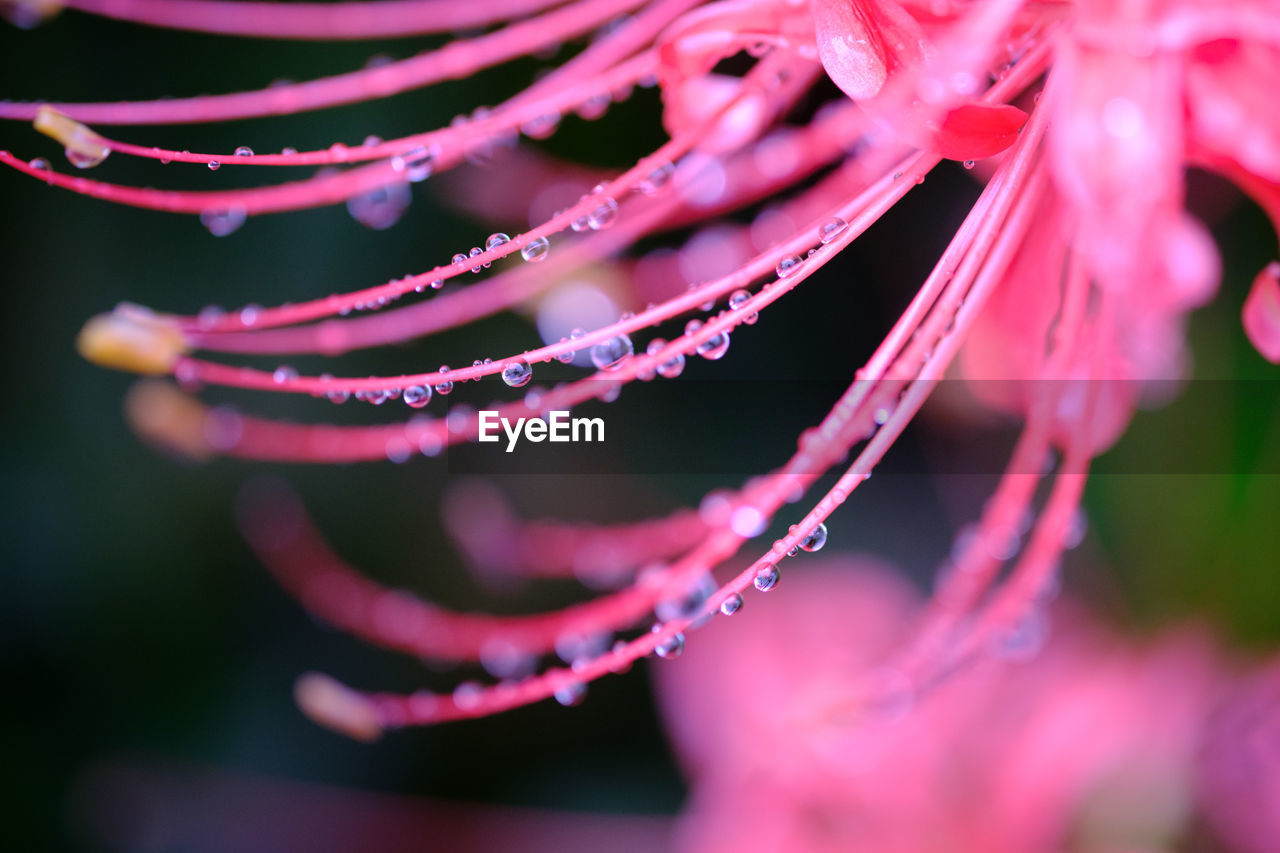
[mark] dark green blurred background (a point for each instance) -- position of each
(134, 623)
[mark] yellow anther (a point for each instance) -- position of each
(336, 706)
(132, 338)
(85, 149)
(28, 14)
(164, 416)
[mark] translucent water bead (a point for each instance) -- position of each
(815, 540)
(739, 298)
(831, 229)
(672, 367)
(714, 347)
(417, 396)
(607, 355)
(517, 374)
(767, 578)
(496, 240)
(731, 605)
(536, 250)
(244, 151)
(416, 164)
(603, 215)
(788, 266)
(672, 647)
(443, 388)
(222, 222)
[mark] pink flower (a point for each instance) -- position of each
(1095, 746)
(1077, 264)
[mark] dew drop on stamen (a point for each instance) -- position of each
(214, 165)
(831, 229)
(467, 695)
(541, 127)
(565, 357)
(672, 647)
(816, 539)
(416, 164)
(603, 215)
(536, 249)
(672, 367)
(496, 240)
(417, 396)
(220, 223)
(380, 208)
(475, 251)
(657, 180)
(40, 164)
(517, 374)
(571, 694)
(731, 605)
(607, 355)
(969, 164)
(788, 266)
(714, 347)
(443, 388)
(459, 259)
(244, 151)
(289, 151)
(284, 373)
(739, 298)
(767, 578)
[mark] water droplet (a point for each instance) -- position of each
(603, 215)
(657, 180)
(607, 355)
(437, 284)
(222, 222)
(380, 208)
(536, 249)
(289, 151)
(815, 540)
(969, 164)
(672, 367)
(496, 240)
(459, 259)
(416, 164)
(542, 126)
(767, 578)
(831, 229)
(672, 647)
(475, 251)
(571, 694)
(214, 165)
(788, 266)
(244, 151)
(739, 298)
(41, 164)
(517, 374)
(731, 605)
(714, 347)
(443, 388)
(284, 373)
(467, 695)
(417, 396)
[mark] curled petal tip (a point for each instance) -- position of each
(133, 339)
(977, 131)
(337, 707)
(166, 417)
(1261, 315)
(850, 50)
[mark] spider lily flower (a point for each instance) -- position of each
(1104, 743)
(1076, 263)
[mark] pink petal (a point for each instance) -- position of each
(1261, 315)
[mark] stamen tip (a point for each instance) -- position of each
(166, 417)
(335, 706)
(133, 339)
(85, 148)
